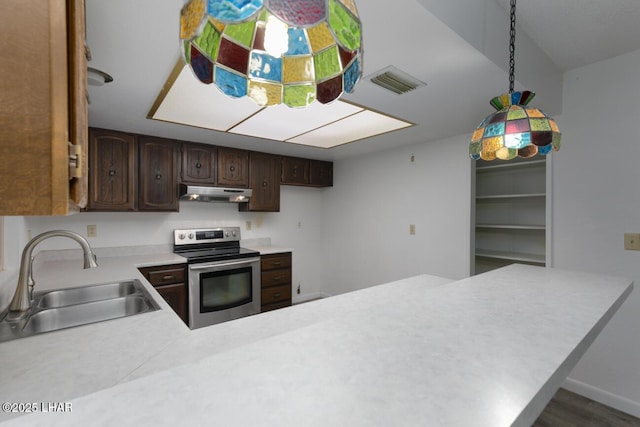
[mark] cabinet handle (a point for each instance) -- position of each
(295, 171)
(158, 177)
(276, 263)
(275, 279)
(198, 165)
(276, 295)
(168, 277)
(112, 172)
(232, 168)
(264, 183)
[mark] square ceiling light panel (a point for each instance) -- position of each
(362, 125)
(282, 123)
(185, 100)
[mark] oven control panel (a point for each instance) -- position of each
(206, 235)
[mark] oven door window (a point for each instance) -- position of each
(225, 289)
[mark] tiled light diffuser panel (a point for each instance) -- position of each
(185, 100)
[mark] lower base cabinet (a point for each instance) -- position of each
(275, 281)
(169, 281)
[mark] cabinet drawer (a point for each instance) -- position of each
(164, 275)
(275, 277)
(272, 262)
(275, 306)
(276, 294)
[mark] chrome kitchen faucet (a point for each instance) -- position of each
(21, 303)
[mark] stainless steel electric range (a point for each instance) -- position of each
(224, 279)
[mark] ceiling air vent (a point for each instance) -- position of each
(395, 80)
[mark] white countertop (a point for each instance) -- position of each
(490, 350)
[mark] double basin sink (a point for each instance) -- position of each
(67, 308)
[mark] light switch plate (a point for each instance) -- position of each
(632, 241)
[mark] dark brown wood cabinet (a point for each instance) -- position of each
(43, 89)
(320, 173)
(158, 174)
(264, 177)
(169, 281)
(131, 172)
(275, 281)
(199, 164)
(306, 172)
(113, 171)
(233, 167)
(295, 171)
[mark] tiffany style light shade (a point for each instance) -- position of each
(514, 130)
(274, 51)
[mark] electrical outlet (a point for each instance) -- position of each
(412, 229)
(298, 290)
(248, 225)
(92, 230)
(632, 241)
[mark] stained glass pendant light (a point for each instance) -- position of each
(514, 130)
(274, 51)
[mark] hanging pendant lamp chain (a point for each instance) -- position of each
(512, 47)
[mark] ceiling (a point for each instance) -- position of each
(459, 50)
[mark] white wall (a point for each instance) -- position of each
(374, 200)
(596, 199)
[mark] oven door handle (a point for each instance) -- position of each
(221, 264)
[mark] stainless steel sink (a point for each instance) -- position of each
(89, 312)
(67, 308)
(72, 296)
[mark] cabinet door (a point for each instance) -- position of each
(265, 183)
(176, 296)
(295, 171)
(233, 170)
(38, 62)
(198, 164)
(113, 158)
(158, 174)
(320, 173)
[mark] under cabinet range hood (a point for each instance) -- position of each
(198, 193)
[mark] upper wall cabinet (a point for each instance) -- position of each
(199, 164)
(295, 171)
(311, 173)
(113, 159)
(265, 182)
(320, 173)
(158, 174)
(43, 108)
(233, 167)
(133, 172)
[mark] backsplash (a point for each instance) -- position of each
(297, 225)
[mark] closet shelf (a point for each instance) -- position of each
(511, 196)
(511, 226)
(511, 256)
(511, 166)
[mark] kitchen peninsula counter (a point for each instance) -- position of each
(490, 350)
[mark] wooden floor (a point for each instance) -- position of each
(568, 409)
